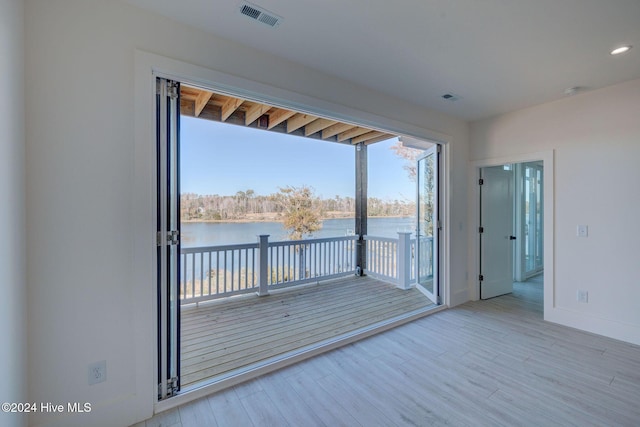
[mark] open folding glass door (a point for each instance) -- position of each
(168, 232)
(428, 223)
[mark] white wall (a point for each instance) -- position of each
(12, 205)
(84, 304)
(595, 137)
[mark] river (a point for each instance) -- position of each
(196, 234)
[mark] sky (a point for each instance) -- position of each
(220, 158)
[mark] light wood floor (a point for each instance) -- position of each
(233, 333)
(485, 363)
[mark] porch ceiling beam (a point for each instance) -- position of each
(201, 101)
(318, 125)
(254, 112)
(378, 139)
(335, 129)
(278, 117)
(299, 120)
(209, 105)
(352, 133)
(367, 136)
(229, 107)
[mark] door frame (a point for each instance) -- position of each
(148, 66)
(547, 158)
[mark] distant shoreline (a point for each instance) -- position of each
(248, 220)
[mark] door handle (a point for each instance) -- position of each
(512, 237)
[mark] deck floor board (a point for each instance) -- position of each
(225, 335)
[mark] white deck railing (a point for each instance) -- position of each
(301, 261)
(382, 257)
(394, 260)
(219, 271)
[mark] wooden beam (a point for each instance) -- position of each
(317, 125)
(380, 138)
(229, 107)
(188, 93)
(254, 112)
(186, 107)
(299, 120)
(367, 136)
(278, 117)
(201, 101)
(335, 129)
(352, 133)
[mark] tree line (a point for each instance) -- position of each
(247, 205)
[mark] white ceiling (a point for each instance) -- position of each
(497, 55)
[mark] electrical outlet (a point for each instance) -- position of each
(583, 296)
(97, 372)
(582, 231)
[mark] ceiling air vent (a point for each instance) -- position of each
(259, 14)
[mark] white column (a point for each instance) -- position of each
(263, 264)
(404, 260)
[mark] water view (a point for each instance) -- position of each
(196, 234)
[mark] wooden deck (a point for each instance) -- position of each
(225, 335)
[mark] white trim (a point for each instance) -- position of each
(144, 240)
(623, 331)
(147, 67)
(547, 158)
(448, 299)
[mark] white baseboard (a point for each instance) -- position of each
(609, 328)
(460, 296)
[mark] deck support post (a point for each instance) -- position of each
(361, 207)
(403, 260)
(263, 265)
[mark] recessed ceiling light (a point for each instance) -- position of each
(572, 90)
(621, 49)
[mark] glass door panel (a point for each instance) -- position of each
(427, 223)
(533, 215)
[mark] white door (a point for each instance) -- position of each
(428, 225)
(496, 231)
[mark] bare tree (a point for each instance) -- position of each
(301, 211)
(214, 207)
(427, 191)
(410, 155)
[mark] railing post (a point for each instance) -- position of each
(403, 263)
(263, 265)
